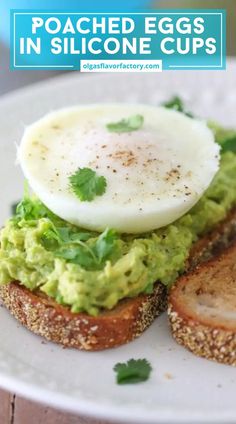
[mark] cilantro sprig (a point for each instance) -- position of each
(133, 371)
(30, 208)
(133, 123)
(86, 184)
(73, 247)
(177, 103)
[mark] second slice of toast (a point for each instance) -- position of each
(202, 309)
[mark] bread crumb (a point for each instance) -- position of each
(168, 376)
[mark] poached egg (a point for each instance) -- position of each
(154, 174)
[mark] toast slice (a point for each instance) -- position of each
(57, 323)
(125, 322)
(202, 309)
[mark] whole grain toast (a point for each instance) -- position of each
(202, 309)
(125, 322)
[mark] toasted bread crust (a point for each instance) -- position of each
(57, 323)
(216, 344)
(201, 309)
(213, 243)
(124, 323)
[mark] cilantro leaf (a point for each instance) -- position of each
(81, 255)
(64, 234)
(60, 237)
(31, 209)
(133, 123)
(82, 236)
(86, 184)
(177, 104)
(105, 244)
(89, 256)
(67, 235)
(133, 371)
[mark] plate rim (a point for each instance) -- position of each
(85, 408)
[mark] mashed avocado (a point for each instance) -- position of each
(89, 271)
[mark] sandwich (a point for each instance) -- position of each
(119, 201)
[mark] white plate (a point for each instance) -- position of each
(182, 388)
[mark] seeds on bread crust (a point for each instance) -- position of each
(57, 323)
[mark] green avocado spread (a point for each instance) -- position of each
(88, 271)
